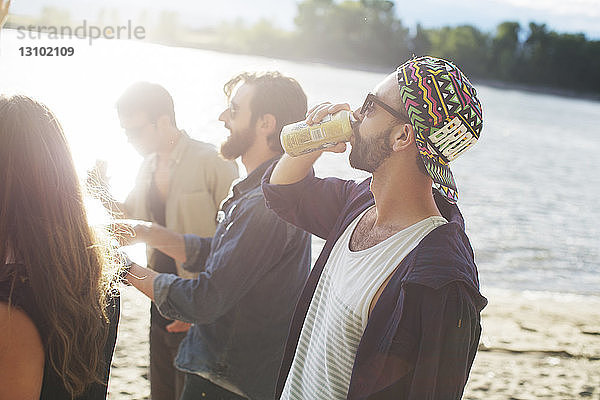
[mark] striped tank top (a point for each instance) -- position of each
(339, 311)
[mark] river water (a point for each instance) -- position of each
(528, 188)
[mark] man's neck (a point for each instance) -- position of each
(169, 144)
(254, 158)
(401, 200)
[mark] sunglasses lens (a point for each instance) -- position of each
(366, 106)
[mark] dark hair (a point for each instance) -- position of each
(274, 94)
(149, 98)
(44, 224)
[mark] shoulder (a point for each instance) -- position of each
(21, 355)
(444, 252)
(199, 146)
(253, 204)
(359, 192)
(206, 153)
(196, 148)
(253, 210)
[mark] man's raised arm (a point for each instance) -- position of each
(293, 169)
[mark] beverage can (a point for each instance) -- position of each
(300, 138)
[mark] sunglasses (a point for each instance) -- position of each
(369, 105)
(135, 132)
(233, 110)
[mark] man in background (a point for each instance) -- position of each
(180, 185)
(250, 272)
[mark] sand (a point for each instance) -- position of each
(534, 346)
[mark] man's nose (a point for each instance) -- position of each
(224, 116)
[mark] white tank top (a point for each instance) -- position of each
(339, 311)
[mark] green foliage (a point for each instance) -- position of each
(363, 33)
(464, 45)
(421, 44)
(351, 31)
(505, 49)
(168, 26)
(53, 16)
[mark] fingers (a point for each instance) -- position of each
(357, 115)
(312, 109)
(320, 111)
(338, 148)
(130, 231)
(178, 326)
(124, 233)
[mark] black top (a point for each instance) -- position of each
(159, 261)
(23, 298)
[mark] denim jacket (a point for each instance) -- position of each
(251, 273)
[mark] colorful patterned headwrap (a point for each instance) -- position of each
(445, 114)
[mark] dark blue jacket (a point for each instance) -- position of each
(427, 316)
(251, 273)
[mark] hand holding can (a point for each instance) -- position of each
(300, 138)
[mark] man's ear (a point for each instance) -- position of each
(266, 124)
(403, 136)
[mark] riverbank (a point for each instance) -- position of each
(534, 345)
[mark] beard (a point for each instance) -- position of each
(369, 154)
(237, 143)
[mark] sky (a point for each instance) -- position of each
(564, 16)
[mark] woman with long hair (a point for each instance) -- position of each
(59, 307)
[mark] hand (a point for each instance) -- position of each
(178, 327)
(131, 231)
(4, 6)
(320, 111)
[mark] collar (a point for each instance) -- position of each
(253, 180)
(180, 147)
(176, 154)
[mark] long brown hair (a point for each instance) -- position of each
(43, 223)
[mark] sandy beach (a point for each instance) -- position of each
(534, 346)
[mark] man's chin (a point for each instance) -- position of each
(228, 154)
(237, 144)
(354, 162)
(230, 150)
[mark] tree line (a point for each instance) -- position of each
(367, 33)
